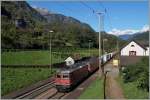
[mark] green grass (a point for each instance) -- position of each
(15, 78)
(131, 91)
(27, 57)
(40, 57)
(94, 91)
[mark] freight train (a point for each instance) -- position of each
(68, 78)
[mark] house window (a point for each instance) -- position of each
(132, 53)
(132, 45)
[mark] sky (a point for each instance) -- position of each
(120, 17)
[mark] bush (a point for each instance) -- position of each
(139, 73)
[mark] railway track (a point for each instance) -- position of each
(45, 91)
(58, 95)
(51, 94)
(35, 92)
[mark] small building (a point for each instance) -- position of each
(69, 61)
(133, 48)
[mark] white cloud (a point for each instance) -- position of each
(145, 28)
(43, 11)
(128, 31)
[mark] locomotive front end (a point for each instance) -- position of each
(63, 82)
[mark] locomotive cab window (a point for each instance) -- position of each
(58, 76)
(65, 76)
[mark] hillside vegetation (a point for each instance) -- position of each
(140, 74)
(24, 27)
(142, 38)
(34, 29)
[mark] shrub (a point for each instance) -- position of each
(139, 73)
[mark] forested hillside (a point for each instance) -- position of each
(142, 38)
(109, 42)
(24, 27)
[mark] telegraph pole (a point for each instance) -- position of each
(100, 15)
(89, 47)
(50, 49)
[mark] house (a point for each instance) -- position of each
(147, 51)
(133, 48)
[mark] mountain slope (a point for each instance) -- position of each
(142, 38)
(74, 32)
(109, 42)
(19, 22)
(24, 27)
(125, 36)
(53, 18)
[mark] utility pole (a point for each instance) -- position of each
(50, 49)
(89, 47)
(118, 51)
(100, 15)
(104, 40)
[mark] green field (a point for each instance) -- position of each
(15, 78)
(94, 91)
(41, 57)
(131, 91)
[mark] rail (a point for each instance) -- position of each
(31, 89)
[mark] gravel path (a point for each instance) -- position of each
(113, 90)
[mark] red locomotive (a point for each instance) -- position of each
(68, 78)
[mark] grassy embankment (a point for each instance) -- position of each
(94, 91)
(135, 80)
(15, 78)
(41, 57)
(131, 91)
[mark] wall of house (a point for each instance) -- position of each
(139, 50)
(147, 51)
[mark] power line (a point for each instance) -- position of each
(88, 6)
(70, 10)
(117, 46)
(106, 11)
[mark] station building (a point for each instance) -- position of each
(134, 48)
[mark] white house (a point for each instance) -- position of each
(134, 49)
(147, 51)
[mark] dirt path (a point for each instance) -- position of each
(113, 89)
